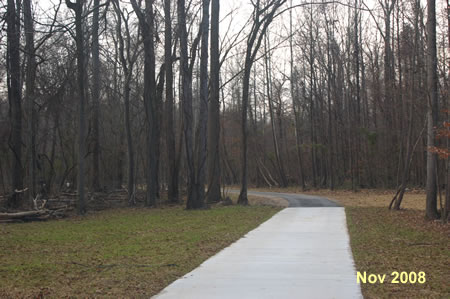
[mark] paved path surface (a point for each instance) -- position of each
(297, 200)
(298, 253)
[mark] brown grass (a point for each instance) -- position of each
(384, 241)
(414, 199)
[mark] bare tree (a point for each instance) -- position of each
(186, 94)
(77, 7)
(30, 95)
(270, 98)
(14, 97)
(213, 194)
(432, 115)
(295, 99)
(201, 131)
(96, 97)
(263, 15)
(195, 200)
(172, 193)
(128, 54)
(146, 23)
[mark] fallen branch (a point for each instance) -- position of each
(21, 215)
(38, 215)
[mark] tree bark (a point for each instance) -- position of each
(15, 102)
(213, 194)
(295, 99)
(78, 8)
(30, 96)
(261, 22)
(127, 62)
(172, 193)
(146, 24)
(201, 131)
(186, 98)
(96, 98)
(432, 115)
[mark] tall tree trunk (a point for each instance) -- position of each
(78, 8)
(243, 199)
(358, 98)
(295, 99)
(127, 62)
(146, 23)
(331, 89)
(446, 213)
(15, 102)
(158, 103)
(201, 131)
(388, 87)
(261, 20)
(213, 194)
(96, 98)
(30, 96)
(311, 101)
(397, 200)
(186, 98)
(431, 203)
(172, 193)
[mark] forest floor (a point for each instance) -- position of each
(116, 253)
(385, 241)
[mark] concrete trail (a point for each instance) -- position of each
(298, 253)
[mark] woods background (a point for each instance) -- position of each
(104, 95)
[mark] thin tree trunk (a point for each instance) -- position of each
(127, 62)
(158, 108)
(186, 98)
(172, 193)
(311, 100)
(96, 98)
(259, 28)
(409, 147)
(30, 96)
(272, 118)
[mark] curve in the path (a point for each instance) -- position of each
(297, 199)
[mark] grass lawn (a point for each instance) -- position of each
(384, 241)
(116, 253)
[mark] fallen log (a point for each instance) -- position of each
(38, 215)
(21, 215)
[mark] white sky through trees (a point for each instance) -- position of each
(236, 13)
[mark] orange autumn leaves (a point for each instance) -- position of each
(442, 133)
